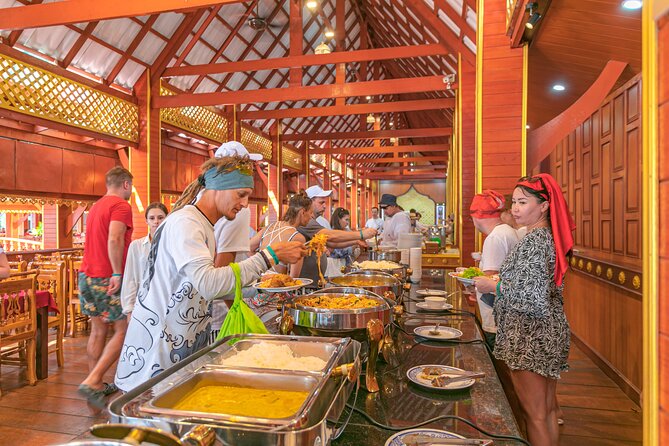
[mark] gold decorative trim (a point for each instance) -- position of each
(200, 121)
(41, 201)
(31, 90)
(615, 275)
(292, 158)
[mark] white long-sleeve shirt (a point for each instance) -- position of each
(138, 254)
(400, 223)
(172, 316)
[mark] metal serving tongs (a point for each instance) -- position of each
(424, 440)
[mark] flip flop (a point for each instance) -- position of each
(94, 397)
(109, 389)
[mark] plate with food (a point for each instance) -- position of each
(431, 292)
(440, 334)
(419, 436)
(440, 377)
(279, 283)
(466, 276)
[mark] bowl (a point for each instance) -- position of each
(434, 302)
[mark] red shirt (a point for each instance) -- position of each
(96, 257)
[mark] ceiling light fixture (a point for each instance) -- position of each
(369, 98)
(329, 34)
(371, 119)
(323, 48)
(632, 4)
(527, 126)
(312, 4)
(534, 16)
(559, 87)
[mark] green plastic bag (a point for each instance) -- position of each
(240, 319)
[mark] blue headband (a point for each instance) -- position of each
(233, 179)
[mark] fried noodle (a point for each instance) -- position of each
(317, 244)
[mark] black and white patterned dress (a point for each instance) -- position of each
(532, 329)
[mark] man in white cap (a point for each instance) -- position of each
(335, 238)
(232, 237)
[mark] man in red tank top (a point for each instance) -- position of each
(108, 235)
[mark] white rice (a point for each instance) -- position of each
(272, 356)
(377, 264)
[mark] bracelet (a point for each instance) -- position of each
(498, 289)
(117, 275)
(273, 254)
(264, 257)
(361, 236)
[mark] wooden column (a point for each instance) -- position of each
(144, 161)
(57, 233)
(501, 123)
(234, 124)
(327, 179)
(465, 163)
(296, 41)
(276, 188)
(343, 199)
(340, 35)
(355, 207)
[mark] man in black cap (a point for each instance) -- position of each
(397, 221)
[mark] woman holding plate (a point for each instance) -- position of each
(532, 329)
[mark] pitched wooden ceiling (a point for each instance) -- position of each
(116, 52)
(575, 41)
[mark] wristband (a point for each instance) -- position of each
(117, 275)
(264, 257)
(273, 254)
(498, 289)
(361, 236)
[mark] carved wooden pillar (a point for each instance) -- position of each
(144, 160)
(275, 190)
(57, 224)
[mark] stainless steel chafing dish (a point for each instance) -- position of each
(316, 422)
(363, 324)
(379, 282)
(401, 272)
(391, 255)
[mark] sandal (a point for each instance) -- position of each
(109, 389)
(94, 397)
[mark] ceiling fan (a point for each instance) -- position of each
(259, 23)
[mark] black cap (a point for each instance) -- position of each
(388, 200)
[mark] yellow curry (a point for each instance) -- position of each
(243, 401)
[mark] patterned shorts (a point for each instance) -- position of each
(95, 301)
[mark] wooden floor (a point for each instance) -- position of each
(596, 412)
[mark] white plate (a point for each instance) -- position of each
(414, 376)
(423, 306)
(462, 280)
(397, 439)
(426, 292)
(445, 333)
(304, 281)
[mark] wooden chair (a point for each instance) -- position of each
(53, 281)
(18, 322)
(18, 265)
(74, 306)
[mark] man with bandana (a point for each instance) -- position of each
(486, 210)
(172, 316)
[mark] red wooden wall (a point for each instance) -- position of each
(598, 166)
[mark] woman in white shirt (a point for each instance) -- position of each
(138, 254)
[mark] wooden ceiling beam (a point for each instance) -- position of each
(383, 149)
(399, 52)
(196, 37)
(131, 49)
(438, 167)
(372, 134)
(185, 28)
(353, 109)
(403, 177)
(83, 37)
(78, 11)
(388, 86)
(399, 159)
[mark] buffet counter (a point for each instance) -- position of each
(401, 403)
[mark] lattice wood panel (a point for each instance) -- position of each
(255, 143)
(31, 90)
(198, 120)
(292, 158)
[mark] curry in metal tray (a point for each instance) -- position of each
(338, 302)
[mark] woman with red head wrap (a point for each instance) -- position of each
(532, 329)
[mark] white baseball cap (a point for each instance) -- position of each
(317, 191)
(234, 148)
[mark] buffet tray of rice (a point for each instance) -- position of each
(376, 264)
(253, 388)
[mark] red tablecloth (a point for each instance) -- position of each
(42, 299)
